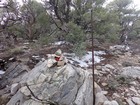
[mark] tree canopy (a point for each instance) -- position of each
(69, 20)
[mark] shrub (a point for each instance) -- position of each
(16, 51)
(79, 49)
(123, 80)
(112, 38)
(75, 33)
(77, 37)
(44, 40)
(112, 84)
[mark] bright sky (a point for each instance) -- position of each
(136, 3)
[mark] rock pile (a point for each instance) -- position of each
(121, 84)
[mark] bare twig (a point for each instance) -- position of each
(46, 101)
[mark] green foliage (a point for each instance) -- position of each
(112, 38)
(34, 45)
(43, 19)
(79, 49)
(108, 22)
(113, 84)
(105, 26)
(119, 80)
(119, 4)
(75, 33)
(16, 51)
(126, 17)
(123, 3)
(44, 40)
(123, 80)
(81, 7)
(136, 27)
(36, 22)
(77, 37)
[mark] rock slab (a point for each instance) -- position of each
(65, 85)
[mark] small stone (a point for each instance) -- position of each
(133, 83)
(2, 72)
(119, 64)
(104, 84)
(103, 72)
(115, 95)
(100, 98)
(41, 78)
(25, 47)
(25, 91)
(14, 88)
(139, 91)
(110, 103)
(128, 54)
(12, 59)
(96, 72)
(105, 92)
(27, 43)
(43, 59)
(122, 94)
(99, 67)
(133, 89)
(128, 94)
(109, 66)
(105, 69)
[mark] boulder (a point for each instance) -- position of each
(110, 103)
(14, 88)
(131, 72)
(100, 98)
(99, 95)
(129, 102)
(13, 74)
(17, 99)
(136, 100)
(65, 85)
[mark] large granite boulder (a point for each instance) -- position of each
(13, 74)
(131, 72)
(65, 85)
(9, 81)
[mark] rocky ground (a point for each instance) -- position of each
(120, 78)
(117, 76)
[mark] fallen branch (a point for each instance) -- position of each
(45, 101)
